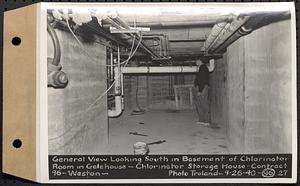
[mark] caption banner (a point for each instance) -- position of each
(170, 166)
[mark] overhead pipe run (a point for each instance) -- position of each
(215, 32)
(220, 34)
(236, 25)
(119, 81)
(164, 43)
(241, 26)
(153, 70)
(119, 71)
(119, 23)
(115, 21)
(165, 69)
(253, 22)
(187, 23)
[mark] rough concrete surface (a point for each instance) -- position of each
(178, 128)
(73, 127)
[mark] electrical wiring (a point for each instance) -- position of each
(80, 44)
(127, 60)
(131, 54)
(140, 110)
(101, 96)
(131, 50)
(87, 110)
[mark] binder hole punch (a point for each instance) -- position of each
(16, 41)
(17, 143)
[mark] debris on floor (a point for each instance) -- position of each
(157, 142)
(179, 130)
(137, 134)
(137, 112)
(222, 146)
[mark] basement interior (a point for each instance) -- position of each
(117, 79)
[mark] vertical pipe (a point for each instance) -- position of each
(118, 57)
(176, 98)
(122, 91)
(118, 94)
(117, 76)
(165, 45)
(191, 96)
(160, 46)
(111, 64)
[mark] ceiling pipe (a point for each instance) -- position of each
(245, 29)
(118, 23)
(215, 32)
(121, 71)
(242, 31)
(164, 42)
(229, 33)
(222, 33)
(250, 24)
(98, 30)
(158, 70)
(187, 23)
(118, 77)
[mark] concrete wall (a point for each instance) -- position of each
(235, 92)
(259, 90)
(73, 128)
(218, 93)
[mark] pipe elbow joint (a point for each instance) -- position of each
(245, 31)
(57, 79)
(117, 111)
(114, 113)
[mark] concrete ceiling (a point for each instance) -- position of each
(184, 40)
(186, 32)
(187, 25)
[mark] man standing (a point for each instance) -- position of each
(200, 92)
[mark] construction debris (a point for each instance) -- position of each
(137, 134)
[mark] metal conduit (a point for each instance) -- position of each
(116, 22)
(56, 45)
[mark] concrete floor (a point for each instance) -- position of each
(179, 128)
